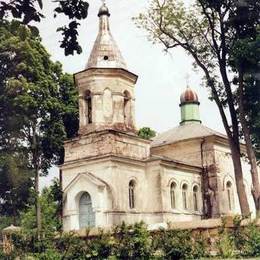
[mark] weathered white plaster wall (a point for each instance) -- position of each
(107, 181)
(226, 173)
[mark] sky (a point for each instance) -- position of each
(162, 76)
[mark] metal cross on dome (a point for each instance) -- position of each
(187, 77)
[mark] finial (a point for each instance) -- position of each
(103, 9)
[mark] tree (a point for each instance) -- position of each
(252, 107)
(146, 133)
(69, 98)
(50, 205)
(27, 11)
(244, 59)
(15, 186)
(30, 87)
(203, 31)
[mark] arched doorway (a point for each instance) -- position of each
(86, 214)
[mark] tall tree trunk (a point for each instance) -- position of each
(236, 158)
(234, 136)
(249, 146)
(14, 210)
(37, 203)
(36, 184)
(61, 202)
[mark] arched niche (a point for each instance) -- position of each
(86, 213)
(107, 104)
(184, 189)
(127, 108)
(88, 106)
(132, 194)
(173, 193)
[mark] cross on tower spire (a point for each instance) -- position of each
(187, 77)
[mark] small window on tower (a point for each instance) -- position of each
(88, 100)
(105, 57)
(131, 194)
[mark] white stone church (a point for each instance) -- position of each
(111, 175)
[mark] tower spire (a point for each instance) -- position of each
(105, 52)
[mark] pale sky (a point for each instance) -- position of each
(162, 76)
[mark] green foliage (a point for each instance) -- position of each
(2, 255)
(69, 97)
(252, 107)
(15, 185)
(244, 57)
(132, 241)
(136, 242)
(5, 221)
(74, 247)
(253, 241)
(225, 245)
(33, 119)
(178, 244)
(146, 133)
(246, 238)
(50, 207)
(29, 11)
(239, 241)
(37, 101)
(49, 254)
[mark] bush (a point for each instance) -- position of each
(178, 244)
(226, 246)
(252, 241)
(246, 238)
(49, 254)
(136, 242)
(226, 243)
(101, 246)
(132, 242)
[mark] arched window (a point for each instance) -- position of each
(86, 214)
(173, 195)
(88, 100)
(185, 196)
(229, 195)
(127, 107)
(131, 190)
(195, 198)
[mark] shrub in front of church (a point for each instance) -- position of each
(136, 242)
(246, 238)
(225, 245)
(239, 241)
(179, 244)
(132, 242)
(74, 247)
(253, 241)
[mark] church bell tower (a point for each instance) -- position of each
(102, 160)
(106, 87)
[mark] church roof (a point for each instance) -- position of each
(105, 52)
(184, 132)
